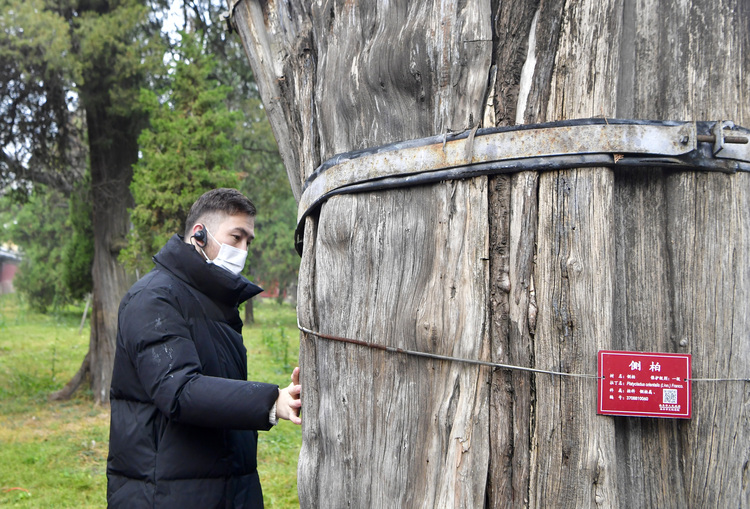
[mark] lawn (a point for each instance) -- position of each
(53, 454)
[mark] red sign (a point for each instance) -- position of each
(644, 384)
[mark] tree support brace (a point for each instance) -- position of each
(597, 142)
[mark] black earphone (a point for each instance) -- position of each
(200, 235)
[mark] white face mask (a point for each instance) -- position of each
(229, 257)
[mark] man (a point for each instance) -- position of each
(183, 431)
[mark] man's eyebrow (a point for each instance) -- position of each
(244, 231)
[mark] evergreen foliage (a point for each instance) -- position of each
(78, 251)
(78, 81)
(272, 259)
(69, 71)
(37, 136)
(186, 150)
(40, 227)
(272, 256)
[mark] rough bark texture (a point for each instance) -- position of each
(682, 283)
(415, 445)
(538, 270)
(512, 226)
(110, 178)
(111, 173)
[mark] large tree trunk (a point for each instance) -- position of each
(533, 269)
(113, 149)
(112, 170)
(111, 173)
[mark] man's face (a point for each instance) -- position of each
(237, 231)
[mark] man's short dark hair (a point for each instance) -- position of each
(223, 201)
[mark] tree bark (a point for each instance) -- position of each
(681, 286)
(546, 268)
(110, 180)
(113, 149)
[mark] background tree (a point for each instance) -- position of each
(43, 156)
(40, 134)
(39, 227)
(187, 149)
(209, 129)
(273, 260)
(78, 247)
(71, 76)
(116, 44)
(71, 72)
(194, 143)
(537, 269)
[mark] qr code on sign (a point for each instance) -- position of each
(669, 396)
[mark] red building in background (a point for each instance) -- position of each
(9, 261)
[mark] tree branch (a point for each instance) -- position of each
(62, 181)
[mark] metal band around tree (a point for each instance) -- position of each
(703, 146)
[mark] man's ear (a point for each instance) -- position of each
(199, 234)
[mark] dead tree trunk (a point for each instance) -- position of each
(534, 269)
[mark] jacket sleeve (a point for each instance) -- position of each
(158, 341)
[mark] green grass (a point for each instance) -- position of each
(273, 333)
(53, 454)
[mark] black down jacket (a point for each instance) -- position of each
(182, 431)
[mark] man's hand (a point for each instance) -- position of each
(289, 403)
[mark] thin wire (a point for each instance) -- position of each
(440, 357)
(478, 362)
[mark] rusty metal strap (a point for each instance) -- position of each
(703, 146)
